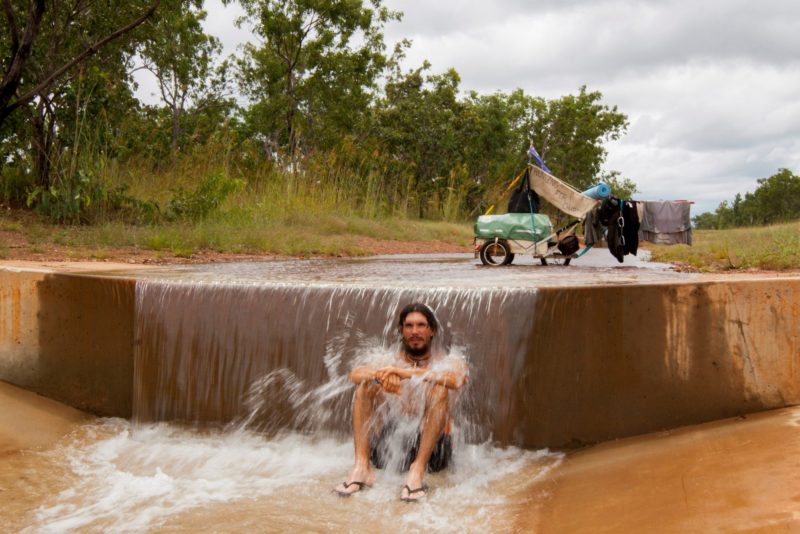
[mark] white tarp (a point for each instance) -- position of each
(559, 194)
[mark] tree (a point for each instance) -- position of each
(776, 199)
(20, 84)
(705, 221)
(570, 134)
(181, 57)
(421, 122)
(310, 78)
(57, 67)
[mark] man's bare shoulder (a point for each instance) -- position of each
(377, 359)
(449, 361)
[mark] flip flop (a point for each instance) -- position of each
(411, 492)
(361, 486)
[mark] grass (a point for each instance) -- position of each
(773, 248)
(236, 231)
(324, 211)
(330, 209)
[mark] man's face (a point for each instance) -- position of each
(417, 334)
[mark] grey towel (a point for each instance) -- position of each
(665, 223)
(666, 217)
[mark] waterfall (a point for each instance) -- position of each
(276, 355)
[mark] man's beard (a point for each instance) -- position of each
(415, 353)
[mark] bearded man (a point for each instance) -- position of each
(415, 362)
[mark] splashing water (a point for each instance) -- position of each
(131, 479)
(269, 361)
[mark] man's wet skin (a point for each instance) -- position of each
(372, 384)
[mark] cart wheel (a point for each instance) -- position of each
(566, 261)
(496, 254)
(543, 260)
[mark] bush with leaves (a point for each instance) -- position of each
(203, 200)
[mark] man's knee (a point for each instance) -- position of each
(366, 391)
(437, 394)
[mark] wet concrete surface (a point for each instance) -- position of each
(596, 267)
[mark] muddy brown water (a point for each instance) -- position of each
(275, 341)
(737, 475)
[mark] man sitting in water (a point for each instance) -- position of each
(417, 327)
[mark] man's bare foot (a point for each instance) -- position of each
(358, 479)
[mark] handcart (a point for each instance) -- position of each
(498, 238)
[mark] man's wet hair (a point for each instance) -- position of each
(424, 310)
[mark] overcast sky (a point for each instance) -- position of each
(710, 87)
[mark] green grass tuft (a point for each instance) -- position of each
(774, 247)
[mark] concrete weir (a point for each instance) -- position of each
(570, 357)
(67, 333)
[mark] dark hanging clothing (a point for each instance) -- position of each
(616, 240)
(611, 216)
(622, 222)
(592, 227)
(608, 209)
(524, 199)
(631, 229)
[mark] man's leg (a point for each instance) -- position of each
(363, 410)
(433, 423)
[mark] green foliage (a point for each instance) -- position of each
(776, 199)
(331, 123)
(620, 186)
(570, 133)
(82, 200)
(199, 203)
(182, 58)
(308, 78)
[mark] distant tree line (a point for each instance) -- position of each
(776, 199)
(321, 99)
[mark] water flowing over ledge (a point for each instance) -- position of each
(559, 356)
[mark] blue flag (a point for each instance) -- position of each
(538, 159)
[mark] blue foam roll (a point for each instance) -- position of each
(598, 192)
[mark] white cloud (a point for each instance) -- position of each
(709, 86)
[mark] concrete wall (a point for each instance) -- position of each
(69, 338)
(625, 360)
(602, 362)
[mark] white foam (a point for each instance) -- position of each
(134, 479)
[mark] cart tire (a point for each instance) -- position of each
(566, 261)
(543, 260)
(496, 254)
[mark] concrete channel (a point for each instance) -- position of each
(661, 373)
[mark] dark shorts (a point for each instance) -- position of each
(440, 457)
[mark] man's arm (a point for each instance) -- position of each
(362, 374)
(448, 379)
(389, 382)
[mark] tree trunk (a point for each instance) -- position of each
(43, 128)
(176, 131)
(19, 55)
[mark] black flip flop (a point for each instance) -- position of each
(361, 486)
(412, 492)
